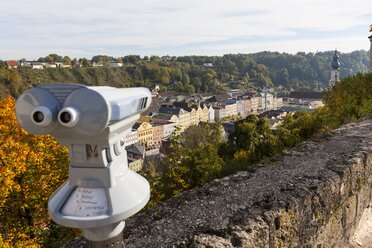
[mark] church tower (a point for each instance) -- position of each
(335, 73)
(370, 50)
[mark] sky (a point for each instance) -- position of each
(82, 28)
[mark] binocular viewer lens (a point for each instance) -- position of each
(38, 116)
(42, 116)
(65, 117)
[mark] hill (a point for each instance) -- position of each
(189, 74)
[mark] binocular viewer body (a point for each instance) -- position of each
(92, 122)
(78, 110)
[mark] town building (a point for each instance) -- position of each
(37, 65)
(255, 104)
(131, 138)
(136, 155)
(240, 108)
(168, 128)
(145, 135)
(63, 65)
(205, 114)
(50, 65)
(193, 117)
(211, 116)
(310, 99)
(166, 117)
(246, 107)
(11, 64)
(280, 102)
(234, 93)
(219, 112)
(157, 133)
(267, 101)
(96, 64)
(231, 108)
(184, 118)
(216, 99)
(24, 63)
(208, 64)
(115, 64)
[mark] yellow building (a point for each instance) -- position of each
(135, 164)
(144, 131)
(205, 114)
(184, 119)
(193, 117)
(165, 117)
(254, 104)
(275, 103)
(199, 114)
(231, 110)
(260, 106)
(144, 118)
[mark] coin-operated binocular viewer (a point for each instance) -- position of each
(92, 122)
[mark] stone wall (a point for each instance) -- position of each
(311, 196)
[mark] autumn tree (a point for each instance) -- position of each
(350, 98)
(67, 60)
(251, 141)
(31, 169)
(192, 160)
(172, 179)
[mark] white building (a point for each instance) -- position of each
(267, 101)
(207, 64)
(50, 65)
(94, 64)
(132, 138)
(37, 65)
(25, 63)
(211, 117)
(219, 112)
(115, 64)
(169, 127)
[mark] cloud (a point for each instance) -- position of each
(88, 27)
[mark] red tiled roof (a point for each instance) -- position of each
(11, 63)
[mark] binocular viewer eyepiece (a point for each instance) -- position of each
(68, 117)
(42, 116)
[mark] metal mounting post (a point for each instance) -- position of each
(114, 242)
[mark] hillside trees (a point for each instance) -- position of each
(31, 168)
(351, 98)
(301, 71)
(251, 141)
(192, 161)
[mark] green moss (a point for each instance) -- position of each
(359, 185)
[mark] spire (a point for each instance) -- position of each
(335, 62)
(370, 50)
